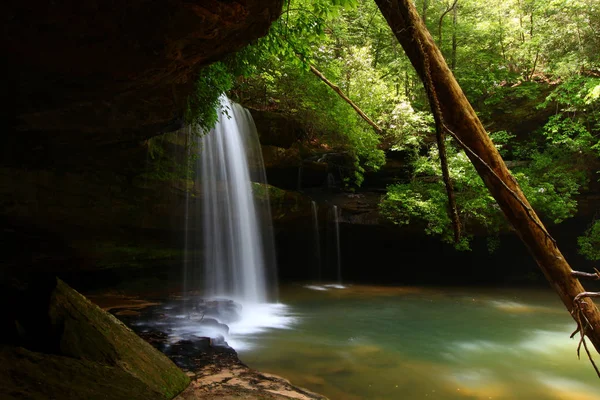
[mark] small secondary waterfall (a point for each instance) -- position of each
(336, 222)
(317, 239)
(333, 256)
(237, 242)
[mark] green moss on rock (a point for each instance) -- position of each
(29, 375)
(61, 346)
(89, 333)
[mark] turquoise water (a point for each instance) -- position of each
(368, 342)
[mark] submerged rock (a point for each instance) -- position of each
(224, 310)
(213, 323)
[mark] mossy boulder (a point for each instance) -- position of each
(80, 351)
(26, 374)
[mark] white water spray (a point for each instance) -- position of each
(237, 234)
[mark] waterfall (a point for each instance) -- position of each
(336, 222)
(237, 239)
(230, 292)
(317, 239)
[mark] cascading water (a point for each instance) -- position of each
(236, 258)
(336, 222)
(332, 248)
(238, 265)
(317, 239)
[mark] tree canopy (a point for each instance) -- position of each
(513, 59)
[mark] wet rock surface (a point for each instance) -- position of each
(230, 379)
(226, 310)
(189, 331)
(215, 369)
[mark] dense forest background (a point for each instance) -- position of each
(531, 69)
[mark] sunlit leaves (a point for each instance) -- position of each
(407, 127)
(577, 125)
(593, 94)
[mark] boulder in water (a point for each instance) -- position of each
(225, 310)
(213, 323)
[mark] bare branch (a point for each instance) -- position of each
(587, 275)
(346, 99)
(441, 20)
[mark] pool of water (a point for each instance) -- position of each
(369, 342)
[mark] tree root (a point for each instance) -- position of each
(579, 316)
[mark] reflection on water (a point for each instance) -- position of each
(368, 342)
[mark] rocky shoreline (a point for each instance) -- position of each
(224, 376)
(214, 368)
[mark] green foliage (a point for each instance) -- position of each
(363, 144)
(589, 243)
(424, 199)
(501, 46)
(575, 93)
(501, 139)
(547, 184)
(213, 81)
(408, 127)
(576, 128)
(284, 82)
(404, 203)
(503, 42)
(504, 50)
(568, 132)
(505, 95)
(293, 37)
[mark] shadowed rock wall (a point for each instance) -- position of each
(88, 83)
(88, 74)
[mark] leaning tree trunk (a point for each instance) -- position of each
(462, 123)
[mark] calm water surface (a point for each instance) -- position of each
(367, 342)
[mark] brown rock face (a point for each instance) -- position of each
(85, 74)
(87, 82)
(277, 129)
(62, 346)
